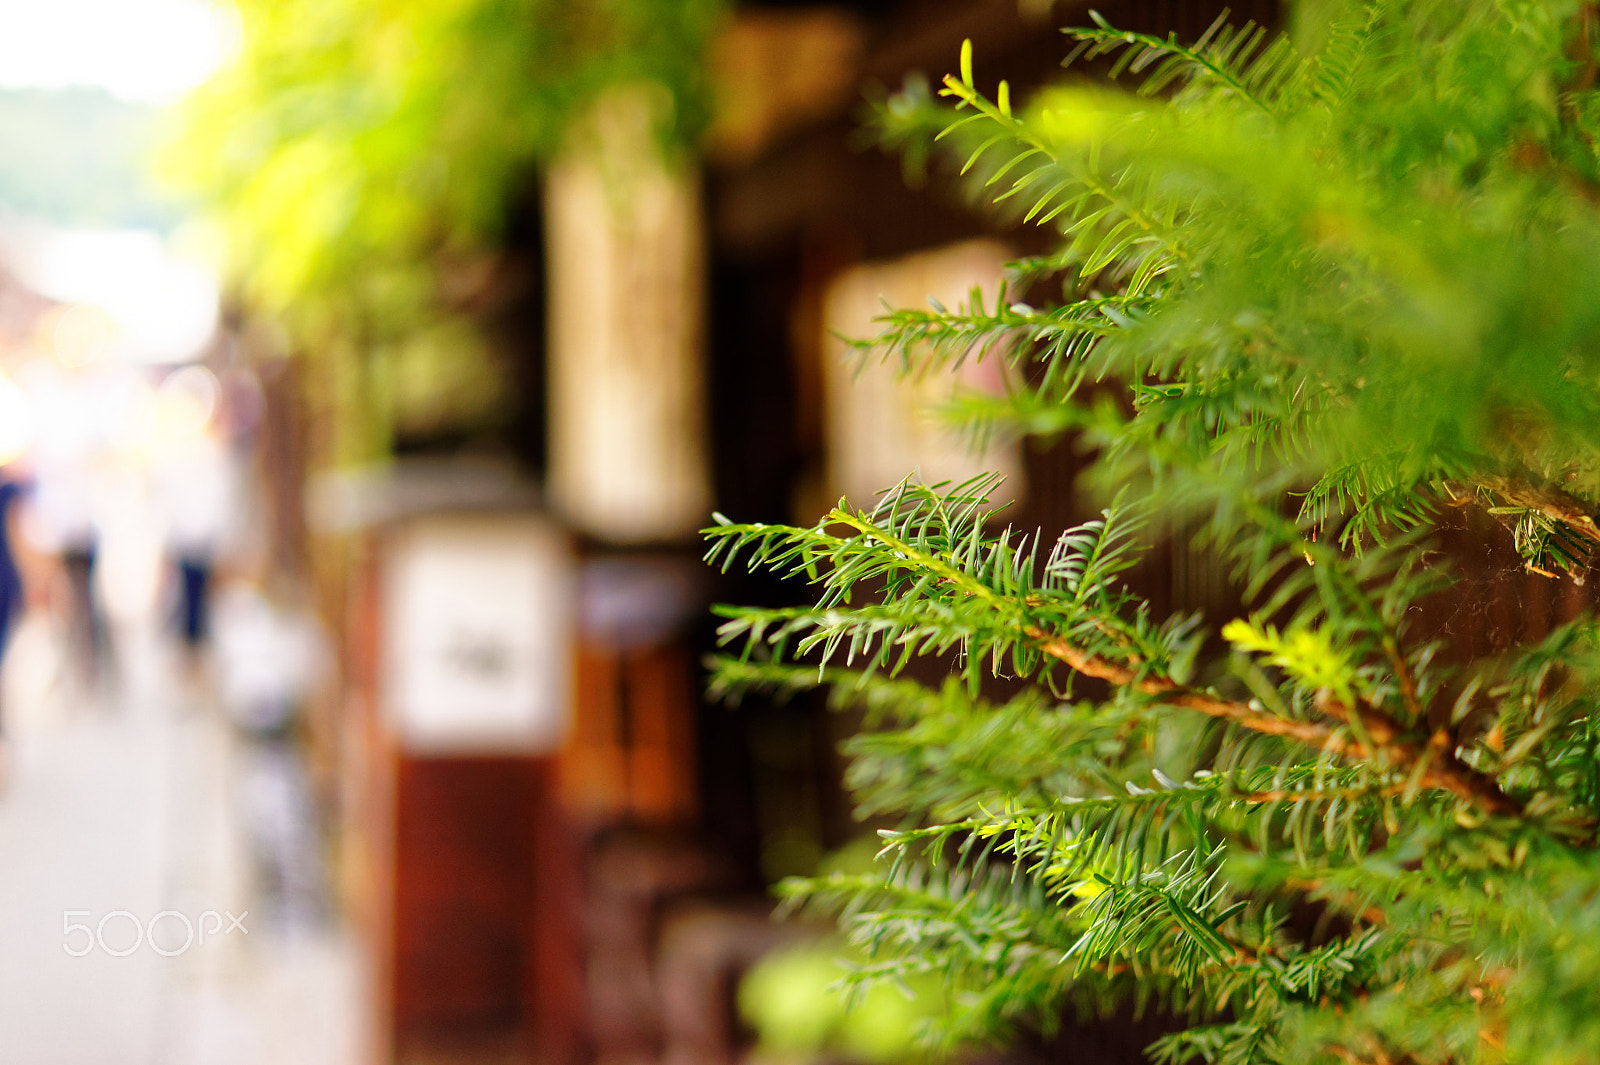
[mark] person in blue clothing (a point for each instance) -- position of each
(12, 592)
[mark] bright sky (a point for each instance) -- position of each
(147, 51)
(150, 51)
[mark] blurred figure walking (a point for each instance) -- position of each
(199, 496)
(68, 454)
(13, 597)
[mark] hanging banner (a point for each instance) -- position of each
(627, 436)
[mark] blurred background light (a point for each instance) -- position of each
(155, 305)
(187, 399)
(80, 333)
(149, 51)
(16, 421)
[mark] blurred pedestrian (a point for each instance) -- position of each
(199, 495)
(68, 455)
(13, 593)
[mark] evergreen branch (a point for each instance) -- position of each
(1558, 506)
(1055, 176)
(1230, 58)
(922, 340)
(1432, 761)
(1374, 496)
(1347, 270)
(1334, 69)
(956, 586)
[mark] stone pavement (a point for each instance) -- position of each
(130, 803)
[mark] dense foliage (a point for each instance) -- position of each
(353, 142)
(363, 160)
(1317, 294)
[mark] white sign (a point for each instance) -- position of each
(883, 424)
(477, 634)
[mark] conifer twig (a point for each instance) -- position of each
(1553, 503)
(1444, 770)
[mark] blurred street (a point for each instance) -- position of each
(132, 801)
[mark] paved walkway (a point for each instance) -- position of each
(130, 803)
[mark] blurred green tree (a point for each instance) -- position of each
(1320, 294)
(361, 156)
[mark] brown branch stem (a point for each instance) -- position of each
(1553, 503)
(1408, 683)
(1441, 768)
(1320, 795)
